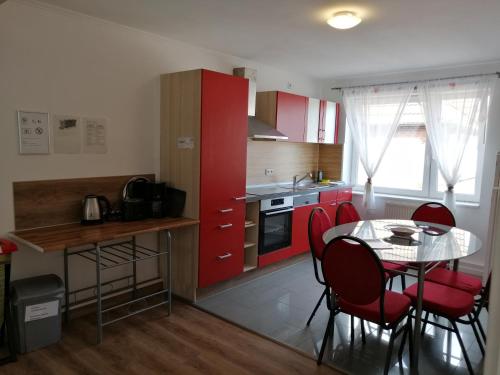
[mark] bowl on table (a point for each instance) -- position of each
(403, 231)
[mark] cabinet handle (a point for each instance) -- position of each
(224, 210)
(239, 198)
(225, 256)
(224, 226)
(333, 204)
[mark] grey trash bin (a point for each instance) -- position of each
(36, 311)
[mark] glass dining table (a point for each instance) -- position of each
(428, 245)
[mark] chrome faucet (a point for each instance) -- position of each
(295, 181)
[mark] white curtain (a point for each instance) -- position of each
(454, 109)
(373, 114)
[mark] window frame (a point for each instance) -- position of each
(430, 178)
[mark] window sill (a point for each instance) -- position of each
(416, 199)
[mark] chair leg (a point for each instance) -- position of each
(474, 329)
(403, 342)
(403, 282)
(318, 304)
(363, 334)
(426, 318)
(462, 346)
(329, 327)
(390, 283)
(480, 326)
(389, 351)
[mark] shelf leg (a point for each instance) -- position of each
(99, 293)
(66, 287)
(134, 268)
(169, 269)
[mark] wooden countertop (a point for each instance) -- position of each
(60, 237)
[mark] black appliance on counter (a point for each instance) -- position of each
(275, 224)
(143, 199)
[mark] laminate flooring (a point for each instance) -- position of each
(190, 341)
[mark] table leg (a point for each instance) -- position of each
(418, 317)
(66, 287)
(455, 265)
(99, 296)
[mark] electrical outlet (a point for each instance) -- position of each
(269, 171)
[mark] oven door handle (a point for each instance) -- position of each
(278, 212)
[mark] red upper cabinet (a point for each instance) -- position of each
(328, 122)
(291, 116)
(286, 112)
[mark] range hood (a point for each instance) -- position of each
(257, 129)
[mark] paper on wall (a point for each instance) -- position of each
(33, 132)
(94, 135)
(66, 134)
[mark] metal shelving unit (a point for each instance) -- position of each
(119, 254)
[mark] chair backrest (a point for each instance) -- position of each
(319, 223)
(346, 213)
(353, 271)
(434, 212)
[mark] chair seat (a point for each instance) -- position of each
(396, 305)
(389, 266)
(458, 280)
(442, 300)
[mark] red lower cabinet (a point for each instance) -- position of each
(300, 224)
(344, 195)
(331, 209)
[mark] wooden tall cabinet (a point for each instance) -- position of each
(203, 151)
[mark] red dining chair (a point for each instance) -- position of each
(451, 304)
(356, 278)
(347, 213)
(319, 223)
(434, 212)
(467, 283)
(437, 213)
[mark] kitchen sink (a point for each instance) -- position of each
(301, 187)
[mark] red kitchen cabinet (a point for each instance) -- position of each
(286, 112)
(328, 123)
(224, 101)
(291, 116)
(344, 195)
(300, 224)
(203, 152)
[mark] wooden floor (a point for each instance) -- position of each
(188, 342)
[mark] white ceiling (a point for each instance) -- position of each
(292, 34)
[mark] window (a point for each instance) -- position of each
(407, 167)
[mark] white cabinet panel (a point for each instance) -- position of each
(312, 120)
(330, 122)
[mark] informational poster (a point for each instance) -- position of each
(33, 132)
(66, 134)
(94, 135)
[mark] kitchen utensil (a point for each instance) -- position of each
(95, 208)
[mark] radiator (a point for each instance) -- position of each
(398, 210)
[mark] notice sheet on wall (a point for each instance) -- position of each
(66, 134)
(33, 132)
(94, 135)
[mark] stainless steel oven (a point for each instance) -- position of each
(275, 224)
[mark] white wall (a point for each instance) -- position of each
(65, 63)
(474, 219)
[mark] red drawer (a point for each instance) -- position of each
(328, 196)
(344, 195)
(221, 249)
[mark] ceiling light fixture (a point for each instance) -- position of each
(344, 20)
